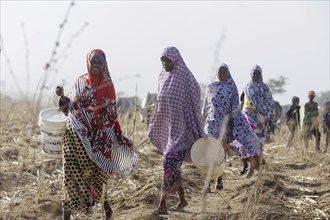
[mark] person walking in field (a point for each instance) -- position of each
(311, 122)
(224, 119)
(175, 124)
(258, 104)
(94, 147)
(326, 123)
(293, 119)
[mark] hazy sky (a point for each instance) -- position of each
(284, 38)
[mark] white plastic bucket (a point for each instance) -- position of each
(208, 156)
(52, 123)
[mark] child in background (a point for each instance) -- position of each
(311, 122)
(293, 119)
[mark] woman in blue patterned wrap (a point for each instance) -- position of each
(224, 120)
(258, 104)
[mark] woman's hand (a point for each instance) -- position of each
(225, 146)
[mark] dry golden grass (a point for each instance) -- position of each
(289, 187)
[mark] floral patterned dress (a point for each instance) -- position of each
(224, 120)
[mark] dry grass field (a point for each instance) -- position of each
(288, 187)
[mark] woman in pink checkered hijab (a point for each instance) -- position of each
(175, 125)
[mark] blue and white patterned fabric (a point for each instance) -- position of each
(222, 116)
(260, 96)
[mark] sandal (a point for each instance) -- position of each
(159, 211)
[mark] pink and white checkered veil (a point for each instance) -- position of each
(176, 123)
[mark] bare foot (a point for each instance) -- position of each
(160, 211)
(183, 204)
(250, 174)
(180, 206)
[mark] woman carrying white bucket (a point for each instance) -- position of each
(224, 120)
(93, 145)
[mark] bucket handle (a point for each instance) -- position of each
(218, 164)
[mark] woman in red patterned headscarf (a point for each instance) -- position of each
(94, 146)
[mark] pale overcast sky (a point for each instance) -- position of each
(289, 38)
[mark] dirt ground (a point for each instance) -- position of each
(288, 187)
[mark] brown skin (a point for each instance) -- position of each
(60, 92)
(225, 146)
(168, 65)
(311, 105)
(295, 102)
(223, 73)
(182, 200)
(311, 98)
(256, 76)
(97, 65)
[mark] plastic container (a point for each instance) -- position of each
(52, 123)
(208, 156)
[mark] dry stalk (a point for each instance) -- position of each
(61, 57)
(103, 200)
(217, 50)
(211, 167)
(43, 80)
(26, 58)
(11, 71)
(254, 197)
(40, 183)
(142, 142)
(6, 119)
(134, 118)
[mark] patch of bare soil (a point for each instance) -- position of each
(288, 187)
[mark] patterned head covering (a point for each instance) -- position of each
(93, 115)
(176, 122)
(224, 65)
(260, 96)
(254, 68)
